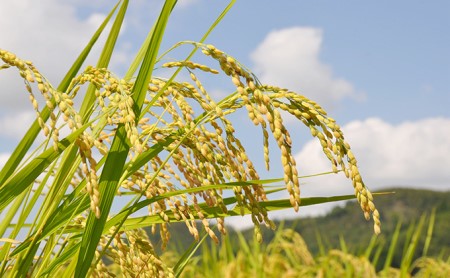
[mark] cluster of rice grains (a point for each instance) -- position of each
(263, 104)
(133, 256)
(204, 150)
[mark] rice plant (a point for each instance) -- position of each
(288, 255)
(168, 146)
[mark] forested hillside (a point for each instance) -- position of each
(405, 208)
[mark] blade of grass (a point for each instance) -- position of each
(212, 212)
(128, 211)
(227, 249)
(103, 61)
(392, 247)
(86, 109)
(320, 244)
(377, 254)
(25, 177)
(349, 269)
(25, 144)
(57, 190)
(87, 103)
(187, 255)
(342, 244)
(429, 233)
(4, 225)
(75, 203)
(12, 210)
(62, 258)
(53, 219)
(109, 179)
(369, 249)
(28, 205)
(204, 37)
(412, 246)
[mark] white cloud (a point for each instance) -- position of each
(3, 158)
(186, 3)
(408, 154)
(16, 125)
(245, 222)
(49, 33)
(413, 154)
(290, 58)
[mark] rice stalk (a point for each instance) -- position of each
(168, 144)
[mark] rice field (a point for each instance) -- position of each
(168, 151)
(288, 255)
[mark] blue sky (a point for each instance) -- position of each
(381, 69)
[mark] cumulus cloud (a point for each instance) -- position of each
(290, 58)
(3, 158)
(186, 3)
(49, 33)
(407, 154)
(15, 126)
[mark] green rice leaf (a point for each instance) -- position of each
(214, 212)
(25, 144)
(109, 179)
(187, 255)
(25, 177)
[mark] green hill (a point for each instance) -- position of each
(406, 206)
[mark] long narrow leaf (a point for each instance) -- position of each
(187, 255)
(412, 246)
(25, 177)
(110, 177)
(214, 212)
(429, 233)
(25, 144)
